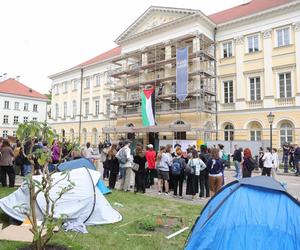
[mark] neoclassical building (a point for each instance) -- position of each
(243, 63)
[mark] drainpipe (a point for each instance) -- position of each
(80, 105)
(215, 65)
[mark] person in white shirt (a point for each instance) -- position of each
(275, 161)
(88, 152)
(267, 159)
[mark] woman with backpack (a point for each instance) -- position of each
(216, 169)
(177, 167)
(140, 174)
(194, 167)
(248, 163)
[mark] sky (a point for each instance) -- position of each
(43, 37)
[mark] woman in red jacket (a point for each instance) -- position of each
(151, 160)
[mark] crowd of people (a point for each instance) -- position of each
(203, 170)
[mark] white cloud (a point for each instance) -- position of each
(39, 38)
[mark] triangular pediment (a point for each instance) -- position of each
(154, 17)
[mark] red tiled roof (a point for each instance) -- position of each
(102, 57)
(245, 10)
(12, 86)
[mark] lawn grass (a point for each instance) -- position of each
(142, 214)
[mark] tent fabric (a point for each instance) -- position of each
(79, 163)
(264, 182)
(77, 204)
(246, 215)
(104, 190)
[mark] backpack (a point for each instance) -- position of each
(176, 167)
(252, 164)
(19, 159)
(122, 156)
(225, 156)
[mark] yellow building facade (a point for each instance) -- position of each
(241, 68)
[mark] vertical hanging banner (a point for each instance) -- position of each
(182, 74)
(148, 107)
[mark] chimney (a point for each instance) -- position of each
(4, 77)
(17, 78)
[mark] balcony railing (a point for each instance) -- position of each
(290, 101)
(228, 106)
(255, 104)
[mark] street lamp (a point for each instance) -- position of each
(271, 119)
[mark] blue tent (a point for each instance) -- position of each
(81, 163)
(253, 213)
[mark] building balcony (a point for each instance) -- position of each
(227, 106)
(290, 101)
(255, 104)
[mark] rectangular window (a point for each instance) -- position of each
(253, 44)
(75, 84)
(56, 110)
(228, 92)
(227, 49)
(74, 108)
(16, 120)
(17, 105)
(6, 104)
(255, 88)
(26, 106)
(34, 119)
(14, 133)
(65, 109)
(108, 106)
(87, 83)
(283, 37)
(97, 107)
(5, 134)
(285, 85)
(65, 85)
(5, 119)
(25, 119)
(86, 105)
(98, 80)
(35, 107)
(255, 135)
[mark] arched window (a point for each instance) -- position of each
(286, 133)
(255, 131)
(208, 128)
(229, 132)
(94, 136)
(72, 135)
(179, 135)
(84, 136)
(130, 136)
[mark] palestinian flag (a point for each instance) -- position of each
(148, 108)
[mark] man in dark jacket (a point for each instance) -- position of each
(237, 159)
(297, 159)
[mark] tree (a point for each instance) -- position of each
(42, 233)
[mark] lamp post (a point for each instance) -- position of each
(271, 119)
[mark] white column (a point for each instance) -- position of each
(297, 45)
(268, 95)
(239, 89)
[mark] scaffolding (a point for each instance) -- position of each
(156, 66)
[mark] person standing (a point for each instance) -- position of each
(248, 163)
(163, 163)
(261, 154)
(36, 147)
(56, 152)
(6, 164)
(125, 162)
(178, 177)
(275, 163)
(297, 160)
(267, 159)
(196, 165)
(140, 174)
(103, 157)
(17, 159)
(216, 169)
(169, 155)
(237, 159)
(285, 156)
(151, 160)
(204, 179)
(113, 166)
